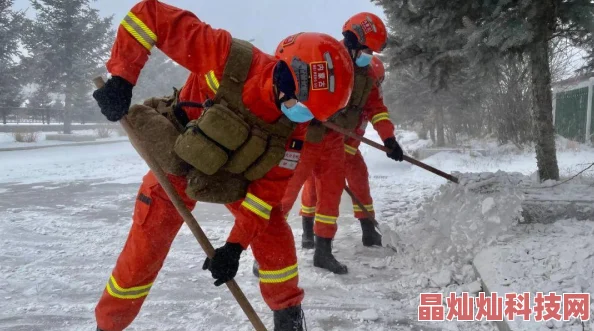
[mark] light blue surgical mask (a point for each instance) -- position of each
(299, 113)
(364, 59)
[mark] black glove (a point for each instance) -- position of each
(225, 263)
(396, 152)
(114, 98)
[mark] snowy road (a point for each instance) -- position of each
(59, 245)
(65, 214)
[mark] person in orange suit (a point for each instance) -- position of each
(275, 87)
(364, 33)
(357, 175)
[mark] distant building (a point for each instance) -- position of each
(572, 107)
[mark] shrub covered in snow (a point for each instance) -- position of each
(25, 136)
(103, 131)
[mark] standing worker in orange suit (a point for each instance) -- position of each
(262, 96)
(324, 158)
(357, 175)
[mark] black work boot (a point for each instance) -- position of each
(307, 238)
(323, 257)
(289, 319)
(370, 235)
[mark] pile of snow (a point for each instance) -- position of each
(464, 217)
(542, 258)
(456, 223)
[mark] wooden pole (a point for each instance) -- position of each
(365, 211)
(394, 245)
(186, 214)
(372, 143)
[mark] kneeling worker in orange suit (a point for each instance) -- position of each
(268, 97)
(357, 175)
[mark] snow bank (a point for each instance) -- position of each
(462, 218)
(451, 226)
(542, 258)
(7, 139)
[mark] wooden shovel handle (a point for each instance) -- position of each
(362, 206)
(381, 147)
(186, 215)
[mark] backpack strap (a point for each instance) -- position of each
(230, 89)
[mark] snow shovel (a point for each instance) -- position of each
(187, 215)
(390, 238)
(372, 143)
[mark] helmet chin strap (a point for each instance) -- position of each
(282, 82)
(353, 53)
(278, 100)
(352, 44)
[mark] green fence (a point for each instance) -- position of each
(591, 138)
(571, 112)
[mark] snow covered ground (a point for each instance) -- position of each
(65, 214)
(542, 258)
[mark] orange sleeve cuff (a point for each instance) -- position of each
(240, 236)
(385, 129)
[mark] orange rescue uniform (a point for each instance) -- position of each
(314, 161)
(259, 221)
(356, 172)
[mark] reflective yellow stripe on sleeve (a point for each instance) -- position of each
(350, 149)
(278, 276)
(326, 219)
(368, 207)
(139, 31)
(257, 206)
(380, 117)
(131, 293)
(212, 81)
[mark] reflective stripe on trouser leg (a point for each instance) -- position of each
(358, 180)
(325, 226)
(380, 117)
(350, 149)
(308, 198)
(257, 206)
(274, 249)
(329, 176)
(117, 291)
(360, 213)
(154, 227)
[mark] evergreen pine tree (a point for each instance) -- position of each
(11, 29)
(158, 77)
(448, 36)
(68, 43)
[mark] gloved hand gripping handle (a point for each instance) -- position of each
(186, 215)
(383, 148)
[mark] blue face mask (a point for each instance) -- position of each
(299, 113)
(364, 59)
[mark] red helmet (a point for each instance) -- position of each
(322, 69)
(378, 69)
(369, 29)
